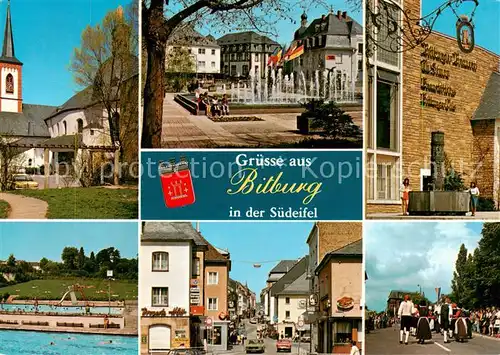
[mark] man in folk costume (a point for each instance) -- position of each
(423, 325)
(461, 329)
(405, 315)
(446, 315)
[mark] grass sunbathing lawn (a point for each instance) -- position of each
(87, 202)
(4, 209)
(94, 289)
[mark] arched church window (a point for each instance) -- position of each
(65, 127)
(9, 84)
(80, 125)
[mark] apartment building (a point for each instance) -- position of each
(290, 294)
(168, 259)
(203, 50)
(325, 238)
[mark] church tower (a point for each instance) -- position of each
(10, 72)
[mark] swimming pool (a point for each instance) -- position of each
(14, 342)
(58, 309)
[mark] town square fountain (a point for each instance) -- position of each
(278, 88)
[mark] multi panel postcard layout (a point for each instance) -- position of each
(238, 176)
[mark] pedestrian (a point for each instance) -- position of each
(474, 197)
(405, 315)
(225, 105)
(354, 348)
(446, 315)
(423, 325)
(405, 195)
(461, 331)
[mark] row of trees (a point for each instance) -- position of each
(75, 263)
(476, 280)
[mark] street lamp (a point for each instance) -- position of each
(420, 289)
(110, 276)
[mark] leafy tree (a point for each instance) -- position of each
(103, 257)
(463, 279)
(69, 257)
(105, 62)
(11, 261)
(180, 62)
(43, 264)
(161, 17)
(487, 261)
(80, 261)
(333, 121)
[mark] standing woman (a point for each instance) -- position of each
(405, 195)
(474, 197)
(423, 325)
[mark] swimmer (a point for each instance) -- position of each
(52, 343)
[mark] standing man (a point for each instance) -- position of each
(446, 315)
(405, 315)
(354, 348)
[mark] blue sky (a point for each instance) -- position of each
(285, 28)
(487, 26)
(45, 35)
(32, 241)
(267, 243)
(421, 253)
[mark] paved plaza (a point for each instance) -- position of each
(181, 129)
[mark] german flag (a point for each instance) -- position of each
(297, 52)
(289, 52)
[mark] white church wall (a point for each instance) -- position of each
(9, 100)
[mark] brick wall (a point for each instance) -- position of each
(419, 122)
(333, 236)
(468, 145)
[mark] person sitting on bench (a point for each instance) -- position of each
(215, 107)
(225, 105)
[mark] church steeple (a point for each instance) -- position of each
(8, 52)
(11, 76)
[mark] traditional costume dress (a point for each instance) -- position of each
(423, 325)
(460, 326)
(405, 314)
(446, 315)
(414, 321)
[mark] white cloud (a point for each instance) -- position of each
(401, 256)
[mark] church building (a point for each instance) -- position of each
(45, 135)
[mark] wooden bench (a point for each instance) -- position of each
(8, 322)
(101, 326)
(72, 325)
(44, 324)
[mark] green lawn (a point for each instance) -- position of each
(94, 289)
(87, 202)
(4, 209)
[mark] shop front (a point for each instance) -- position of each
(435, 87)
(161, 332)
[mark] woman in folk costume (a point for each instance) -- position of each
(437, 318)
(460, 329)
(431, 318)
(423, 326)
(405, 314)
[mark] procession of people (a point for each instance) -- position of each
(445, 318)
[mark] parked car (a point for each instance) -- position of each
(255, 346)
(284, 345)
(23, 181)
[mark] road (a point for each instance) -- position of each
(270, 344)
(386, 341)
